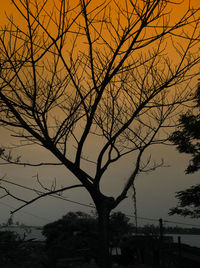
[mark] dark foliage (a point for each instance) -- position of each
(189, 202)
(9, 248)
(17, 253)
(75, 235)
(187, 137)
(119, 227)
(187, 140)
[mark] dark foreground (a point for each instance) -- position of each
(137, 252)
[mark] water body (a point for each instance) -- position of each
(188, 239)
(36, 234)
(25, 232)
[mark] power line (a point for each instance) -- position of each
(166, 221)
(92, 206)
(52, 195)
(176, 222)
(142, 218)
(24, 212)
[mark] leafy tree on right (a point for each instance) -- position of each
(187, 140)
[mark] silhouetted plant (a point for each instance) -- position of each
(187, 140)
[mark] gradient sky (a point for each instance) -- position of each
(155, 190)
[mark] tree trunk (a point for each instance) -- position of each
(103, 225)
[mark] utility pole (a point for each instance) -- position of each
(161, 241)
(161, 230)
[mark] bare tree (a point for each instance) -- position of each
(114, 71)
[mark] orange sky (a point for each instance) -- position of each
(8, 7)
(158, 184)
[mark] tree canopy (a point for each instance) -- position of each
(76, 233)
(15, 252)
(188, 202)
(187, 137)
(187, 140)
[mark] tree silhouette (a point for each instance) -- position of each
(186, 139)
(188, 202)
(76, 233)
(112, 73)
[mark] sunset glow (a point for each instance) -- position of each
(101, 83)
